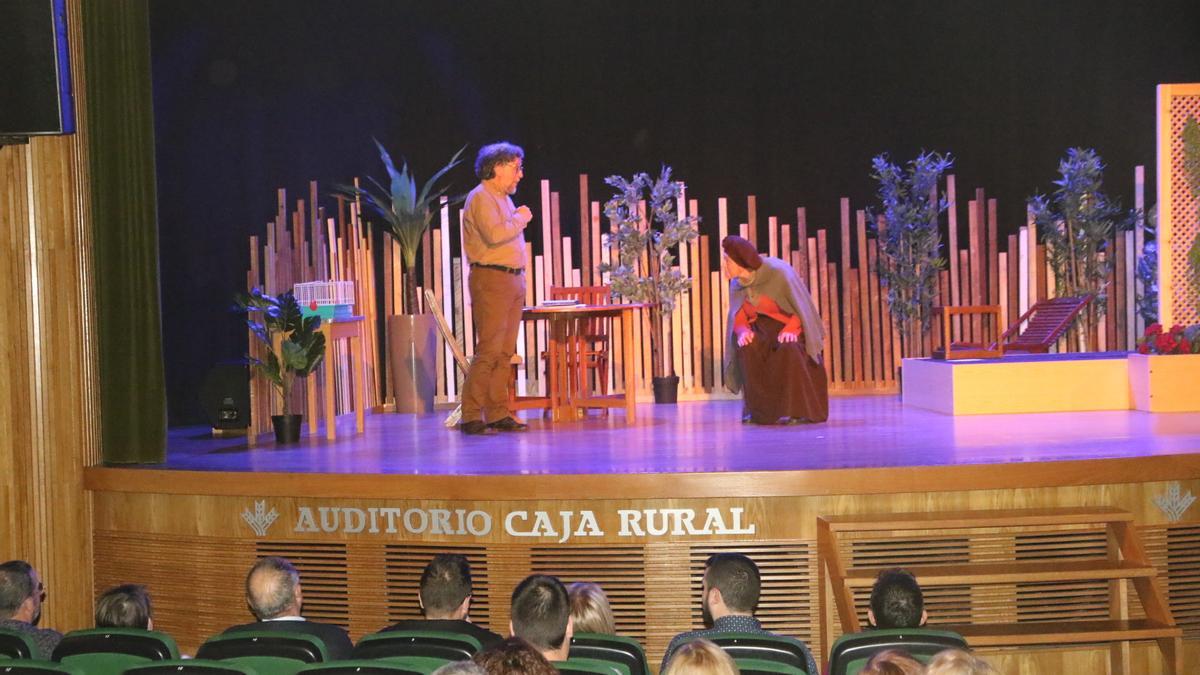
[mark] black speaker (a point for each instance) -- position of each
(225, 395)
(35, 69)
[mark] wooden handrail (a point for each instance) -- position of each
(1126, 560)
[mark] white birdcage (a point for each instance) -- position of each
(326, 299)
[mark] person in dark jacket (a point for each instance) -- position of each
(274, 595)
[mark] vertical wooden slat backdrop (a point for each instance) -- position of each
(863, 348)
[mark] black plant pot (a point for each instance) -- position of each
(287, 428)
(666, 389)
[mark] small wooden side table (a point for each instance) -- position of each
(349, 329)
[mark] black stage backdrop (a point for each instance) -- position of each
(784, 100)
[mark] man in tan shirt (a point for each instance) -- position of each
(494, 241)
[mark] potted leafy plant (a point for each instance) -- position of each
(294, 348)
(645, 269)
(910, 242)
(1076, 223)
(404, 213)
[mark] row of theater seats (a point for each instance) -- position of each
(114, 651)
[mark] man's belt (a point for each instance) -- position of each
(499, 268)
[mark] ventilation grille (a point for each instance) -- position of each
(950, 604)
(788, 598)
(1175, 552)
(196, 584)
(323, 577)
(403, 566)
(619, 570)
(991, 603)
(1055, 601)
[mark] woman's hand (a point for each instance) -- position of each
(745, 337)
(788, 336)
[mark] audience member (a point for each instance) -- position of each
(21, 598)
(274, 595)
(700, 657)
(590, 610)
(126, 606)
(541, 615)
(514, 656)
(445, 598)
(892, 662)
(958, 662)
(461, 668)
(730, 593)
(896, 601)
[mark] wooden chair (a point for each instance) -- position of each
(1048, 320)
(951, 350)
(593, 337)
(1044, 323)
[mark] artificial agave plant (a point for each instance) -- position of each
(404, 211)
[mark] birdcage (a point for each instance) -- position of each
(326, 299)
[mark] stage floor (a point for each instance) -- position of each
(863, 432)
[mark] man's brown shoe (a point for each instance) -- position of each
(476, 428)
(509, 424)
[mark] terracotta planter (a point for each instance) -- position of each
(1165, 382)
(412, 361)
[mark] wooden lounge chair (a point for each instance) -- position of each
(1044, 323)
(1048, 320)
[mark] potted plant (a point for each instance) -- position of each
(1076, 224)
(645, 269)
(910, 242)
(293, 345)
(404, 213)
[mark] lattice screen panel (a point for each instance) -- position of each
(1175, 552)
(1179, 220)
(323, 577)
(403, 565)
(620, 571)
(789, 585)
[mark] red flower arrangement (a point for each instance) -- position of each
(1178, 340)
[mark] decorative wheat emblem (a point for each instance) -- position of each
(1173, 503)
(261, 519)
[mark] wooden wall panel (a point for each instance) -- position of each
(193, 551)
(49, 419)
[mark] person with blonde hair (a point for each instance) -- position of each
(700, 657)
(958, 662)
(590, 609)
(892, 662)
